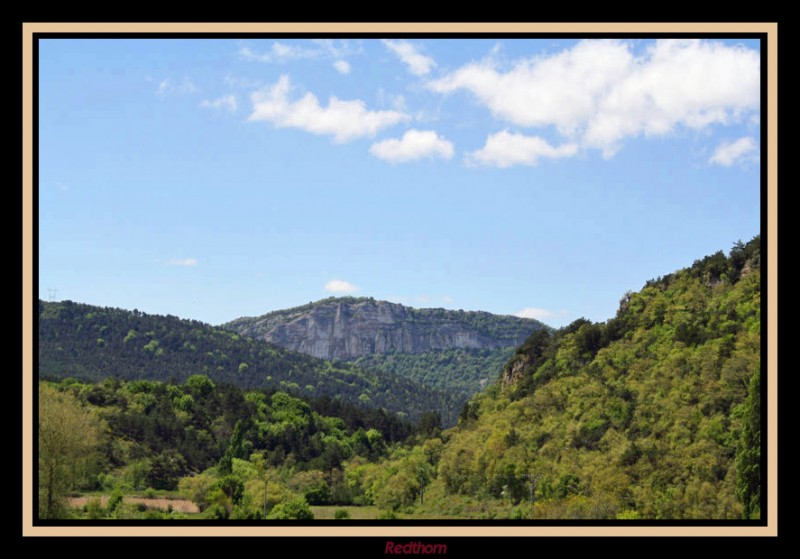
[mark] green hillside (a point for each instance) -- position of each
(652, 414)
(92, 343)
(458, 372)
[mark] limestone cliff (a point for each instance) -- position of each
(347, 328)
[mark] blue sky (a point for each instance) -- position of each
(212, 179)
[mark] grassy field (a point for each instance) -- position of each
(180, 505)
(190, 510)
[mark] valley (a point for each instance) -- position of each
(652, 414)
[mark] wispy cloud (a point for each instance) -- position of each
(189, 262)
(342, 66)
(744, 150)
(338, 48)
(397, 102)
(344, 120)
(417, 63)
(279, 52)
(505, 149)
(540, 314)
(226, 102)
(340, 286)
(168, 87)
(415, 144)
(599, 92)
(240, 82)
(60, 185)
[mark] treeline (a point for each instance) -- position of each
(129, 436)
(93, 343)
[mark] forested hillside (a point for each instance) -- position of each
(92, 343)
(458, 372)
(652, 414)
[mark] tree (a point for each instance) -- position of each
(748, 455)
(235, 450)
(68, 438)
(260, 463)
(429, 424)
(293, 509)
(200, 385)
(166, 469)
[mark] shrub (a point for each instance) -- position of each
(293, 509)
(519, 513)
(94, 509)
(114, 501)
(341, 514)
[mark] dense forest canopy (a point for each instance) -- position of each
(655, 413)
(461, 373)
(93, 343)
(140, 434)
(651, 414)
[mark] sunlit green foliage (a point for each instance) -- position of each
(653, 414)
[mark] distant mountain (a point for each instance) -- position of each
(347, 328)
(456, 352)
(93, 343)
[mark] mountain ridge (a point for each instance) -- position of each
(346, 328)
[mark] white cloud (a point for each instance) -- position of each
(337, 48)
(169, 87)
(743, 150)
(340, 286)
(539, 314)
(240, 82)
(183, 262)
(284, 52)
(344, 120)
(505, 149)
(227, 102)
(342, 66)
(278, 52)
(418, 64)
(415, 144)
(61, 186)
(397, 102)
(599, 93)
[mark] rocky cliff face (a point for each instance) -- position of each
(348, 328)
